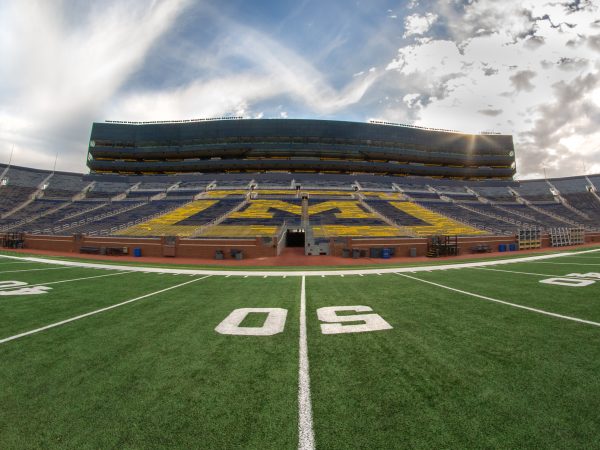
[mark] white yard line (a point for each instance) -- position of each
(495, 300)
(520, 273)
(536, 274)
(72, 279)
(15, 262)
(34, 270)
(567, 263)
(300, 273)
(97, 311)
(306, 436)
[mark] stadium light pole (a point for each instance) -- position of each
(11, 155)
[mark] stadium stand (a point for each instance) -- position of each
(304, 177)
(489, 208)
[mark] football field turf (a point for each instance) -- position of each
(483, 356)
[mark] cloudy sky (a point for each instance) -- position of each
(530, 68)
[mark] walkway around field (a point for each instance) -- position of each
(298, 273)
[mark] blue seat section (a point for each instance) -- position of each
(148, 189)
(561, 211)
(477, 220)
(187, 189)
(17, 184)
(90, 214)
(535, 191)
(499, 194)
(375, 186)
(64, 185)
(141, 195)
(156, 186)
(542, 220)
(141, 213)
(460, 197)
(211, 213)
(571, 185)
(595, 180)
(275, 184)
(398, 216)
(22, 176)
(422, 195)
(58, 221)
(318, 182)
(33, 209)
(453, 190)
(514, 214)
(181, 196)
(233, 184)
(576, 191)
(586, 203)
(108, 189)
(13, 196)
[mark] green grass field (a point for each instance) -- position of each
(480, 357)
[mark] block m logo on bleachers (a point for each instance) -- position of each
(266, 209)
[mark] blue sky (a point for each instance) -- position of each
(530, 68)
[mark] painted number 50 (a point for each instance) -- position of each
(332, 322)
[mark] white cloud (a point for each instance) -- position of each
(62, 74)
(416, 24)
(513, 66)
(411, 100)
(491, 75)
(275, 71)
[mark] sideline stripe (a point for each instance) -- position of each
(34, 270)
(91, 313)
(306, 436)
(300, 273)
(67, 281)
(495, 300)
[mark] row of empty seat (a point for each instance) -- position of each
(64, 203)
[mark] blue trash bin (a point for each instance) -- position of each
(385, 253)
(512, 247)
(502, 247)
(137, 252)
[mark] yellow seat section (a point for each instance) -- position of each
(323, 193)
(384, 195)
(240, 231)
(165, 224)
(290, 192)
(224, 193)
(356, 230)
(438, 224)
(259, 209)
(348, 209)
